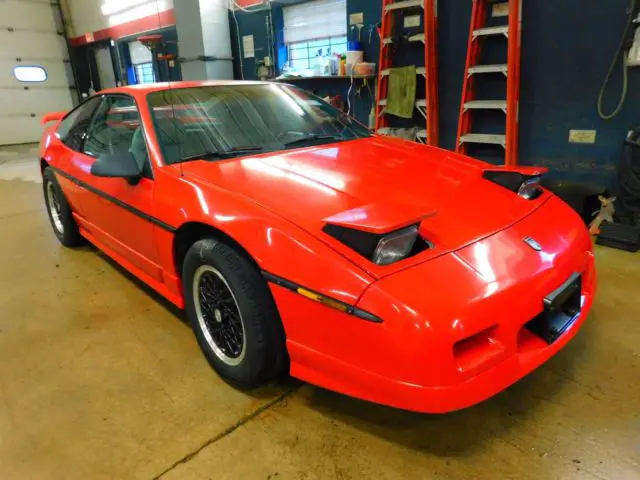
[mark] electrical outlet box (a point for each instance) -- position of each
(356, 18)
(582, 136)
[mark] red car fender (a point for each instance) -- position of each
(277, 246)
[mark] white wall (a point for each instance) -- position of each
(94, 15)
(31, 41)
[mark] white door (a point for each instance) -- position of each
(28, 38)
(105, 67)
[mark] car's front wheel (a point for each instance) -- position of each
(233, 314)
(59, 210)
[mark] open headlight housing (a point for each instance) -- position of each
(395, 246)
(383, 249)
(526, 186)
(530, 188)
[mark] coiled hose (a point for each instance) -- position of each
(625, 73)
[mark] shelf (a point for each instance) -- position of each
(324, 77)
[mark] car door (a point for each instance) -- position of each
(116, 210)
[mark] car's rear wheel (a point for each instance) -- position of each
(59, 210)
(233, 314)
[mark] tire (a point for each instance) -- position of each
(62, 221)
(247, 348)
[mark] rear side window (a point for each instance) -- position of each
(74, 126)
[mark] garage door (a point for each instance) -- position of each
(28, 38)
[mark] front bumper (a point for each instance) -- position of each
(357, 381)
(455, 328)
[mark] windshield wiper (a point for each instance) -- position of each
(311, 138)
(230, 153)
(244, 148)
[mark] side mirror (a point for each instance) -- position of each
(121, 165)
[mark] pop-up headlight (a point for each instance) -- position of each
(396, 246)
(526, 186)
(383, 249)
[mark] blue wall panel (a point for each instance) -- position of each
(251, 23)
(567, 48)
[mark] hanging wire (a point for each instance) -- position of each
(625, 70)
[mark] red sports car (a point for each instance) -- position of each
(296, 239)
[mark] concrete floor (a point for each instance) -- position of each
(99, 378)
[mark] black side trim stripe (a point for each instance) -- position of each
(349, 309)
(114, 200)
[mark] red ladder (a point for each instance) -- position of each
(479, 31)
(427, 106)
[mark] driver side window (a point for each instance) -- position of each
(117, 130)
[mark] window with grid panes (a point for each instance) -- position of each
(302, 55)
(144, 73)
(313, 29)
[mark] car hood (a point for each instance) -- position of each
(375, 184)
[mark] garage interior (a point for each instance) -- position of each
(100, 377)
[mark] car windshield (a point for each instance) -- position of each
(219, 122)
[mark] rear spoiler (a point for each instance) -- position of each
(52, 117)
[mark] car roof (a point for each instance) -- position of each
(147, 88)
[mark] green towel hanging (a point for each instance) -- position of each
(401, 97)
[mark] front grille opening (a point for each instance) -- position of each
(477, 350)
(527, 340)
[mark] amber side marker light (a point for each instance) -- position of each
(322, 299)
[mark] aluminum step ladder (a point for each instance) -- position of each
(428, 106)
(509, 104)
